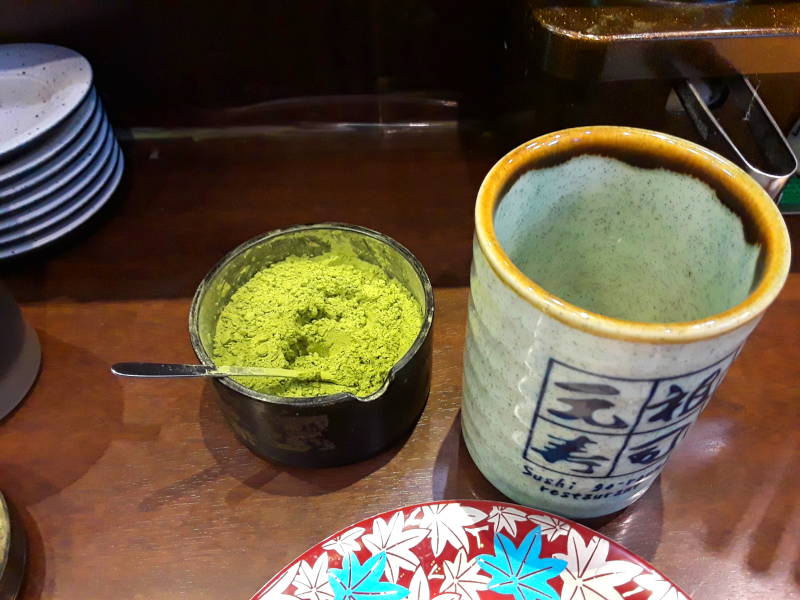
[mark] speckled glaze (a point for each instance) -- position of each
(576, 412)
(49, 148)
(57, 184)
(637, 244)
(68, 217)
(40, 85)
(88, 140)
(72, 182)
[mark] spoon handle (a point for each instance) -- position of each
(144, 369)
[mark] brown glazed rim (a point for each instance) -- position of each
(762, 222)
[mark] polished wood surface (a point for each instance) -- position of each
(183, 204)
(137, 489)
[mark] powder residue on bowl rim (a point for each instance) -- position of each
(333, 313)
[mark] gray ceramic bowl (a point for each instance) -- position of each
(325, 430)
(20, 354)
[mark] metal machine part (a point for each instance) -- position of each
(699, 49)
(646, 39)
(731, 119)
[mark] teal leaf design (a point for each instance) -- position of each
(520, 571)
(355, 581)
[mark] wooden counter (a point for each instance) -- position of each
(137, 489)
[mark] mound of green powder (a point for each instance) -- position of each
(332, 313)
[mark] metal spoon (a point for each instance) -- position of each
(143, 369)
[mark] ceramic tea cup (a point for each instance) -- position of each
(616, 274)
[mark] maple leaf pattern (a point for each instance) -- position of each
(355, 581)
(345, 543)
(311, 583)
(660, 588)
(277, 589)
(505, 518)
(520, 571)
(447, 523)
(552, 528)
(589, 575)
(419, 588)
(396, 541)
(462, 577)
(584, 570)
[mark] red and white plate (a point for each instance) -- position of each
(468, 550)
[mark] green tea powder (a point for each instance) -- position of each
(331, 313)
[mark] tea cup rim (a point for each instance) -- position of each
(760, 210)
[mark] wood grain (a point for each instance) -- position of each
(183, 204)
(137, 489)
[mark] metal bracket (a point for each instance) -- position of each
(750, 137)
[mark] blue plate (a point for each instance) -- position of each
(69, 183)
(91, 133)
(54, 142)
(69, 217)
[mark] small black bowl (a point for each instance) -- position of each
(326, 430)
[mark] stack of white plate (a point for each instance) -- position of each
(59, 159)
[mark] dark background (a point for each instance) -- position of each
(168, 63)
(188, 63)
(243, 116)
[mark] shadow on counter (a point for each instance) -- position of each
(456, 477)
(256, 475)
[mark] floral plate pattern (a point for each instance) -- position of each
(468, 550)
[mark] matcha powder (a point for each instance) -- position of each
(331, 313)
